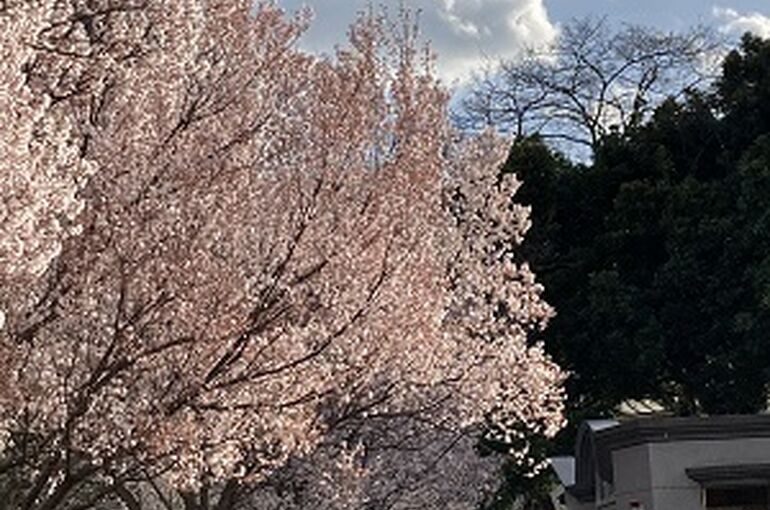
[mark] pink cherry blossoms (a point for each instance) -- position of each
(220, 255)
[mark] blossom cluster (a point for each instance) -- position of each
(219, 251)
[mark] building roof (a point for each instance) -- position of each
(743, 474)
(662, 430)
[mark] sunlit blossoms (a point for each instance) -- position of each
(220, 253)
(41, 166)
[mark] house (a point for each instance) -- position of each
(664, 463)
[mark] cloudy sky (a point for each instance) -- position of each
(468, 33)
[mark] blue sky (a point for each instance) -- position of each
(469, 33)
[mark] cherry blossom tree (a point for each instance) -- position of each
(219, 253)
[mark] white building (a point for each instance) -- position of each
(714, 463)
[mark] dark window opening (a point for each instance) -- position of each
(737, 498)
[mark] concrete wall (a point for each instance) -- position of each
(654, 474)
(633, 477)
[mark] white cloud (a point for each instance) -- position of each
(466, 34)
(736, 23)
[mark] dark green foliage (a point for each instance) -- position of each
(744, 92)
(657, 255)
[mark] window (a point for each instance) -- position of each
(737, 498)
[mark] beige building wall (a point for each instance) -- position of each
(633, 477)
(653, 475)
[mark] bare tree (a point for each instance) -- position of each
(592, 81)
